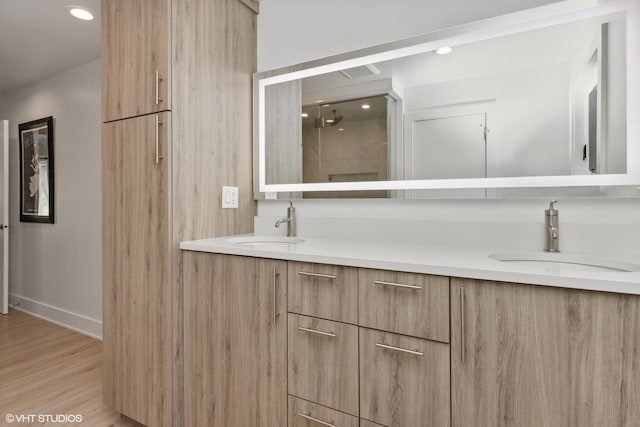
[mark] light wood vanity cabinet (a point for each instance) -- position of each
(171, 140)
(525, 355)
(235, 341)
(516, 355)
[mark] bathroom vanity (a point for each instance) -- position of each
(346, 333)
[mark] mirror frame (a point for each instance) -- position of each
(530, 19)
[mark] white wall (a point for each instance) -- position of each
(293, 31)
(56, 270)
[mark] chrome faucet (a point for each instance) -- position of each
(552, 243)
(290, 220)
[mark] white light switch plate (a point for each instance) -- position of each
(271, 195)
(229, 197)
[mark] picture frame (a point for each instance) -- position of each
(37, 171)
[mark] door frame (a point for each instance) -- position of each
(4, 217)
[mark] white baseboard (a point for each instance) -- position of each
(65, 318)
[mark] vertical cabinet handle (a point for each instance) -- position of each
(462, 330)
(158, 124)
(275, 294)
(157, 82)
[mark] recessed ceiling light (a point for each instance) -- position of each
(445, 50)
(329, 120)
(305, 115)
(80, 12)
(340, 129)
(366, 106)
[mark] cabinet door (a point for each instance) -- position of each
(135, 57)
(136, 269)
(404, 381)
(525, 355)
(235, 341)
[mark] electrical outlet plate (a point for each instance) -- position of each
(229, 197)
(271, 195)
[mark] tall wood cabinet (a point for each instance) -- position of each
(524, 355)
(177, 88)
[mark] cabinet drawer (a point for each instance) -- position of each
(406, 303)
(404, 380)
(326, 291)
(323, 362)
(307, 414)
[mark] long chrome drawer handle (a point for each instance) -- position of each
(313, 331)
(462, 330)
(403, 350)
(321, 276)
(315, 420)
(397, 285)
(275, 294)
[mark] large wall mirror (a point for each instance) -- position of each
(508, 106)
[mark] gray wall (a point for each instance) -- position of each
(55, 270)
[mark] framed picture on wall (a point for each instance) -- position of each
(36, 171)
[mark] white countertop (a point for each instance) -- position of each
(423, 258)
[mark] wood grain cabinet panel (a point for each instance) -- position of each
(204, 52)
(365, 423)
(534, 356)
(404, 381)
(136, 273)
(235, 341)
(303, 413)
(326, 291)
(406, 303)
(136, 37)
(323, 362)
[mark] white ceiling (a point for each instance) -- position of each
(39, 38)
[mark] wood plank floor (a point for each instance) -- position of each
(47, 369)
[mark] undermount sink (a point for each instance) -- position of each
(550, 261)
(265, 240)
